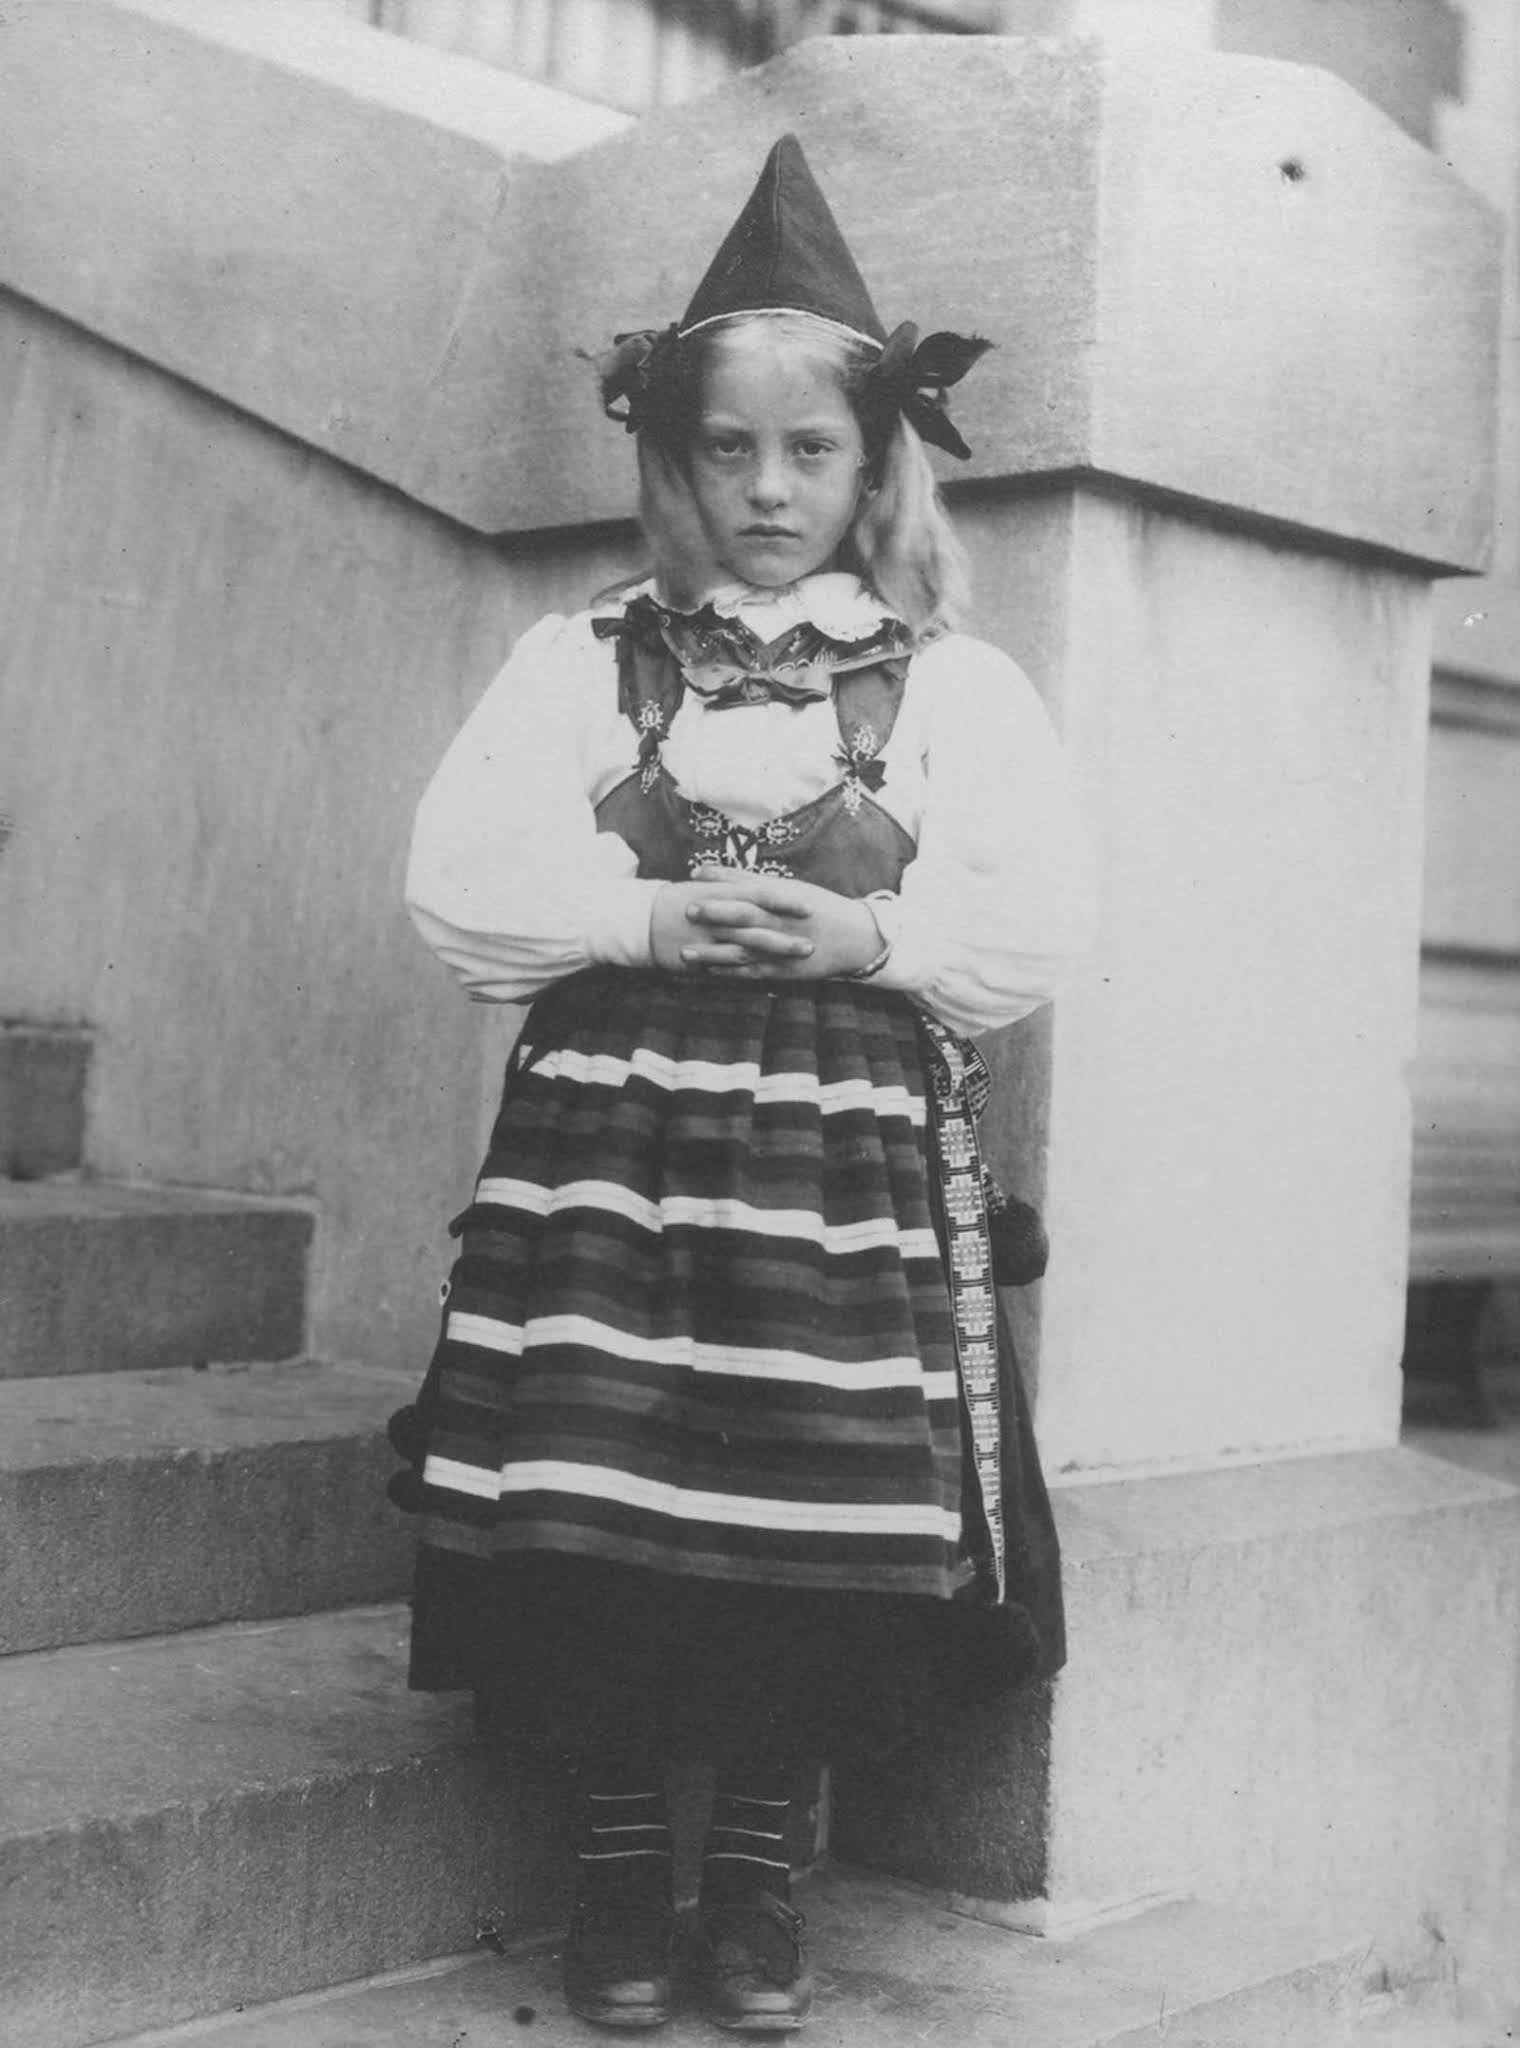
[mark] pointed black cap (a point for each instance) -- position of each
(785, 253)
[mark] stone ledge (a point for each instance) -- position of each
(296, 214)
(133, 1503)
(1477, 631)
(101, 1277)
(1174, 308)
(197, 1821)
(897, 1971)
(1294, 1680)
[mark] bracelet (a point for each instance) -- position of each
(872, 966)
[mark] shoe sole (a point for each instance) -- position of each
(624, 2022)
(762, 2023)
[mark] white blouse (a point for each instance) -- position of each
(512, 885)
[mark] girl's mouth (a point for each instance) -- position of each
(769, 533)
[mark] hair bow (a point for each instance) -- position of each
(913, 376)
(637, 369)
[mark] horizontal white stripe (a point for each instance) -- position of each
(606, 1070)
(720, 1077)
(731, 1360)
(696, 1212)
(680, 1503)
(449, 1473)
(918, 1244)
(737, 1360)
(485, 1332)
(833, 1097)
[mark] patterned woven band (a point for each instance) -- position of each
(960, 1085)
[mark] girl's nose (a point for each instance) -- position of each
(768, 482)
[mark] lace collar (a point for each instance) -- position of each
(834, 602)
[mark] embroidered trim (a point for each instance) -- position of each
(960, 1085)
(723, 842)
(859, 765)
(651, 728)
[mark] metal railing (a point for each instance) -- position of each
(641, 53)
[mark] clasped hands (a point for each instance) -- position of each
(747, 927)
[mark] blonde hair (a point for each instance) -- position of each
(900, 541)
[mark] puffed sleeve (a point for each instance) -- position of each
(1001, 895)
(509, 881)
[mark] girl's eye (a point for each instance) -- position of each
(723, 447)
(812, 450)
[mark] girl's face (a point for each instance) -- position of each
(777, 460)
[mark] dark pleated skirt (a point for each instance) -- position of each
(689, 1455)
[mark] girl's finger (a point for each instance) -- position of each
(767, 942)
(766, 892)
(738, 910)
(757, 943)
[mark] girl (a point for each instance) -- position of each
(721, 1453)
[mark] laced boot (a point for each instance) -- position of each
(750, 1958)
(618, 1966)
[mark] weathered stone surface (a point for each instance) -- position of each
(1223, 277)
(132, 1503)
(897, 1971)
(298, 214)
(104, 1279)
(1287, 1681)
(1477, 629)
(1227, 1124)
(228, 667)
(199, 1821)
(42, 1081)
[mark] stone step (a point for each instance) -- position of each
(105, 1278)
(197, 1822)
(895, 1970)
(135, 1503)
(43, 1068)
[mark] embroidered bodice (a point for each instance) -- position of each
(924, 776)
(841, 840)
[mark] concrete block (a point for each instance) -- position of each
(1225, 1079)
(43, 1069)
(1196, 266)
(895, 1970)
(1477, 630)
(1290, 1681)
(312, 1046)
(326, 200)
(104, 1279)
(201, 1821)
(134, 1503)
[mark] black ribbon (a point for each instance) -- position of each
(638, 373)
(912, 376)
